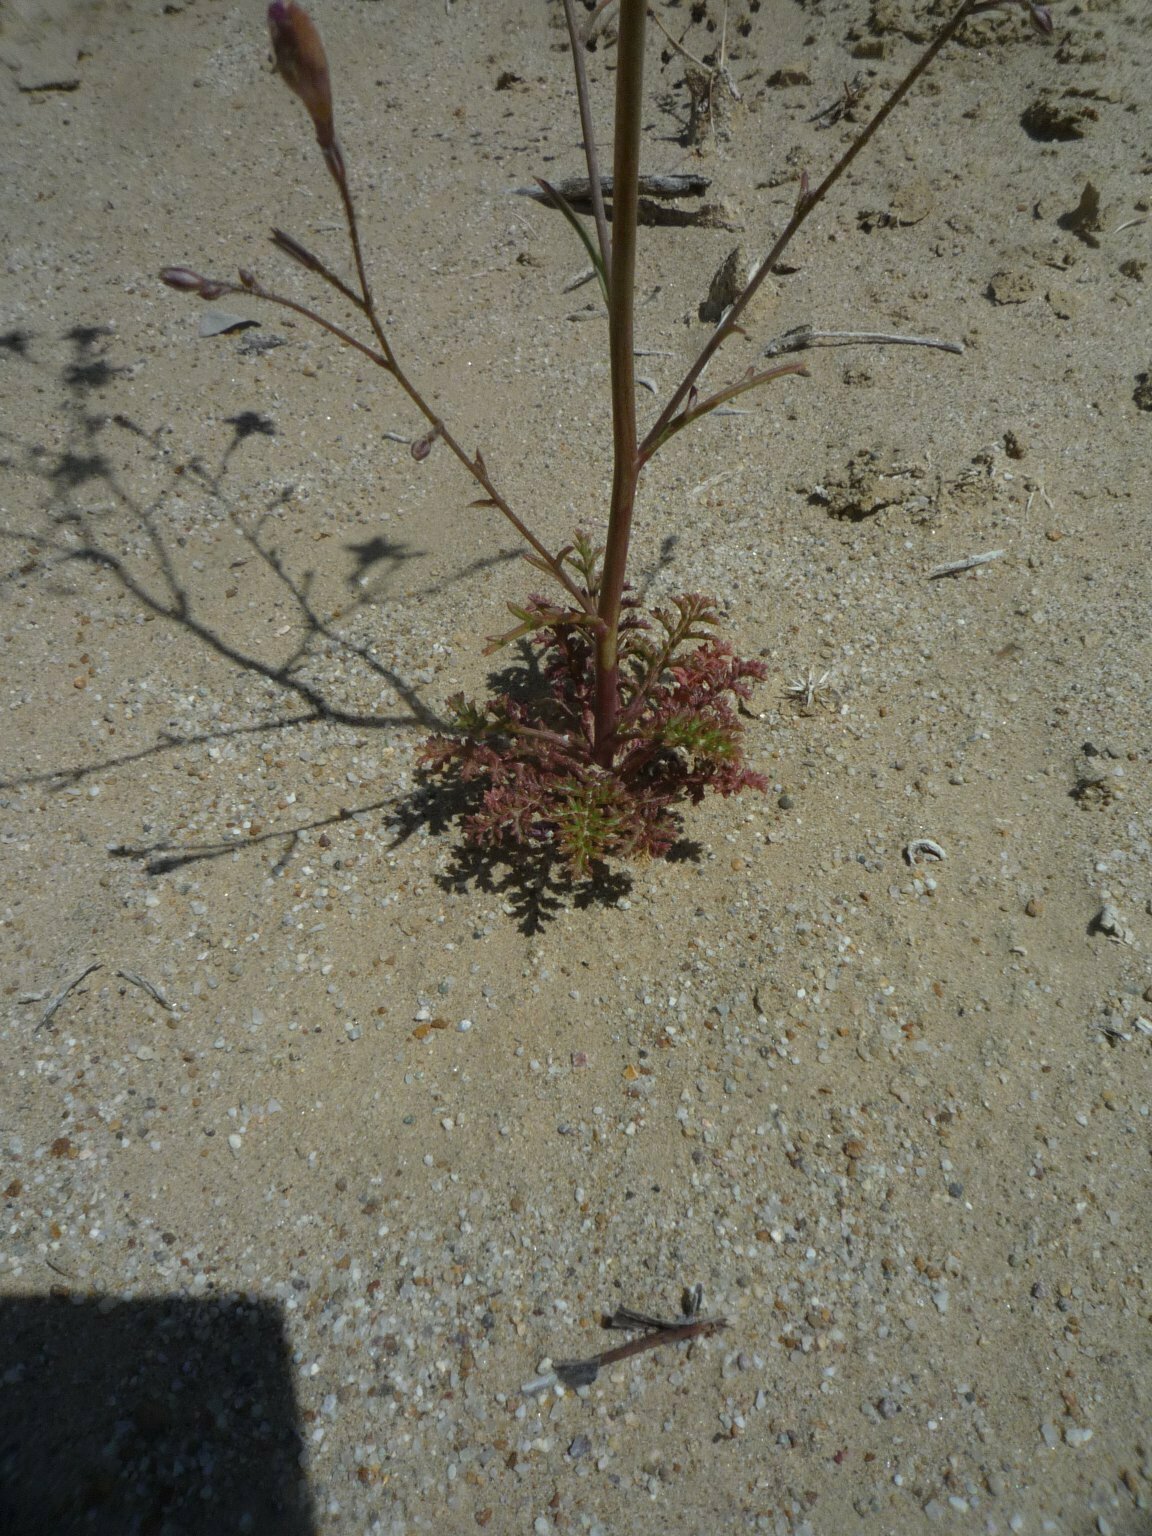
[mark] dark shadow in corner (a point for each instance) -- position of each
(165, 1417)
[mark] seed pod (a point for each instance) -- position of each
(301, 61)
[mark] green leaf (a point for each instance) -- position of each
(560, 202)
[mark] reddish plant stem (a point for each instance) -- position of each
(621, 291)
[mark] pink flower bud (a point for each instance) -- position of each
(1041, 18)
(183, 278)
(300, 59)
(187, 281)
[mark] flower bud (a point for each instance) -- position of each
(183, 278)
(300, 59)
(1041, 18)
(187, 281)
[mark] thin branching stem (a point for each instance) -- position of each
(474, 464)
(603, 235)
(386, 359)
(805, 203)
(751, 380)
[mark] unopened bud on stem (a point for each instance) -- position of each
(300, 59)
(422, 447)
(187, 281)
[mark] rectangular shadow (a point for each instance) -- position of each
(163, 1417)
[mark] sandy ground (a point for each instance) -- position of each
(348, 1136)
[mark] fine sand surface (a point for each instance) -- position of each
(349, 1135)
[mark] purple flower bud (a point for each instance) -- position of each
(1041, 18)
(187, 281)
(183, 278)
(301, 61)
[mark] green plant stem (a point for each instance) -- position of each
(691, 413)
(591, 155)
(621, 291)
(805, 203)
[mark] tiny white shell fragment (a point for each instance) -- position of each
(923, 847)
(539, 1384)
(218, 322)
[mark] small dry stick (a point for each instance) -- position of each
(720, 71)
(659, 1330)
(63, 993)
(146, 986)
(805, 336)
(954, 567)
(577, 190)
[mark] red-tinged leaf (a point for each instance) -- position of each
(542, 565)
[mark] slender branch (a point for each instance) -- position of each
(805, 203)
(678, 47)
(591, 155)
(474, 465)
(341, 179)
(693, 413)
(258, 291)
(312, 263)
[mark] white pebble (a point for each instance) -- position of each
(235, 1141)
(1076, 1437)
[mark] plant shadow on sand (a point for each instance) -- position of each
(89, 514)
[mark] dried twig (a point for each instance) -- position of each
(954, 567)
(577, 190)
(145, 985)
(802, 336)
(657, 1331)
(63, 993)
